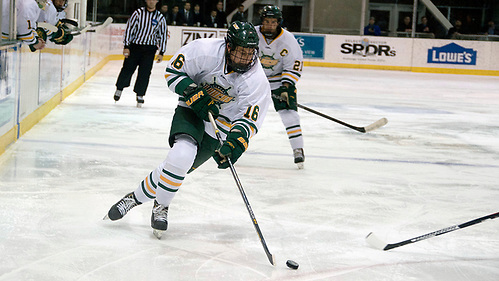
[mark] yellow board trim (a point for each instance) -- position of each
(33, 118)
(8, 138)
(29, 121)
(456, 71)
(406, 68)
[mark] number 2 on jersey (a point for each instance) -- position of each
(298, 66)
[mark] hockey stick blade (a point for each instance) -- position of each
(47, 26)
(93, 27)
(107, 22)
(377, 243)
(380, 123)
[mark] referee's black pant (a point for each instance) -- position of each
(143, 57)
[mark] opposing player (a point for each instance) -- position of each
(28, 12)
(282, 61)
(209, 75)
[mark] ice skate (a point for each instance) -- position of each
(121, 208)
(299, 157)
(117, 95)
(140, 101)
(159, 219)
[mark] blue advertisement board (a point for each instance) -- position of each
(311, 45)
(452, 54)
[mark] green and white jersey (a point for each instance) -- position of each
(49, 15)
(281, 58)
(27, 15)
(243, 98)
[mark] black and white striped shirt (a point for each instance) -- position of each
(146, 28)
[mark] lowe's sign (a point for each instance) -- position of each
(452, 54)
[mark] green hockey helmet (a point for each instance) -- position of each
(241, 34)
(271, 12)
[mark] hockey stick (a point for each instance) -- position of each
(100, 26)
(380, 123)
(78, 31)
(241, 190)
(47, 26)
(377, 243)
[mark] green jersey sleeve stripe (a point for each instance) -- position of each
(171, 81)
(182, 85)
(176, 72)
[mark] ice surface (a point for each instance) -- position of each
(435, 164)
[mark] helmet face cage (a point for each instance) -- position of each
(238, 60)
(241, 34)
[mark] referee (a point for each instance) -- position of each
(146, 31)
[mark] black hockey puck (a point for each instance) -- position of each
(292, 264)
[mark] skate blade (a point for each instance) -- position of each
(139, 105)
(300, 165)
(158, 233)
(106, 217)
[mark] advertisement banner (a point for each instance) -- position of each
(456, 54)
(311, 45)
(452, 54)
(368, 50)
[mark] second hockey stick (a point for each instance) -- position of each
(380, 123)
(243, 194)
(377, 243)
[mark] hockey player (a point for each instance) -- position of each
(282, 61)
(54, 14)
(209, 75)
(28, 12)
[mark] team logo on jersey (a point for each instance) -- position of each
(268, 62)
(217, 92)
(284, 52)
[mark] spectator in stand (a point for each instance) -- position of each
(212, 19)
(187, 15)
(372, 28)
(165, 13)
(470, 26)
(239, 15)
(490, 28)
(423, 27)
(197, 15)
(455, 30)
(406, 25)
(176, 18)
(221, 15)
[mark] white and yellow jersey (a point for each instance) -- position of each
(243, 98)
(28, 12)
(281, 58)
(49, 15)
